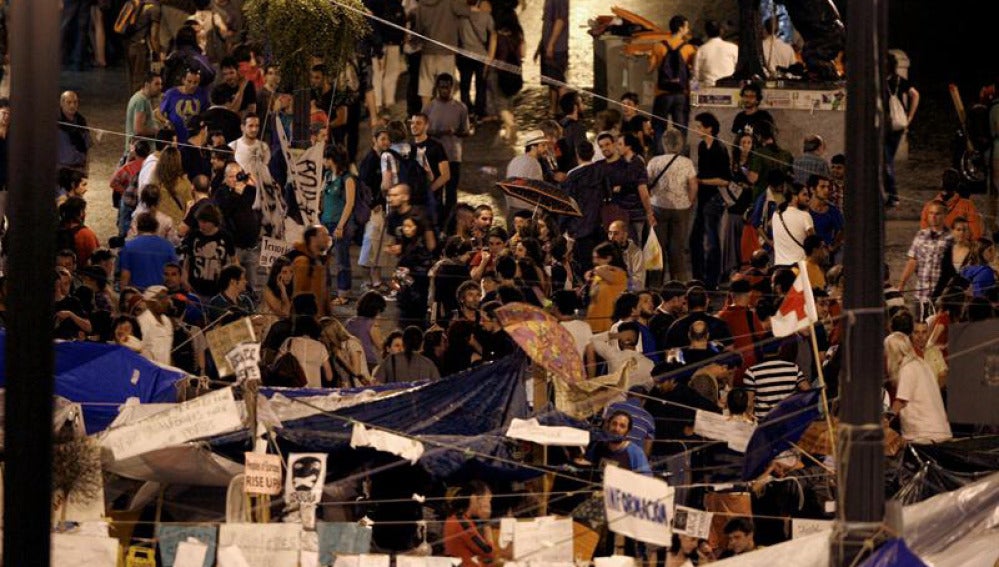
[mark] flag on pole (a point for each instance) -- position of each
(797, 311)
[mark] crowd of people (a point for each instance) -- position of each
(675, 266)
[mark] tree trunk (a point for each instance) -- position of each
(750, 63)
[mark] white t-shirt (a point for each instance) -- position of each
(581, 333)
(715, 60)
(786, 250)
(157, 336)
(924, 419)
(776, 53)
(639, 375)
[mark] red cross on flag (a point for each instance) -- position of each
(797, 311)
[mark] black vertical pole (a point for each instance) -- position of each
(860, 441)
(31, 212)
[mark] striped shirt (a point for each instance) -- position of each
(771, 381)
(643, 426)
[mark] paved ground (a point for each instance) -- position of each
(104, 97)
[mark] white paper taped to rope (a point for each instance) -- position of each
(547, 539)
(638, 506)
(531, 430)
(409, 449)
(692, 522)
(190, 553)
(418, 561)
(259, 545)
(614, 561)
(363, 560)
(720, 428)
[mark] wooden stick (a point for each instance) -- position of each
(822, 385)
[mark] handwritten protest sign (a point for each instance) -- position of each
(245, 361)
(212, 414)
(801, 527)
(271, 249)
(262, 474)
(306, 475)
(263, 545)
(169, 538)
(692, 522)
(721, 428)
(638, 506)
(531, 430)
(306, 174)
(221, 340)
(545, 539)
(190, 553)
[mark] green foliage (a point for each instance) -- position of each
(298, 30)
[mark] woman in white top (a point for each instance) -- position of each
(310, 353)
(918, 402)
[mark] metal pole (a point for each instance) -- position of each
(31, 211)
(860, 467)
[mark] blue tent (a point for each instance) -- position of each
(96, 373)
(785, 424)
(894, 553)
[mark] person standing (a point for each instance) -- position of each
(431, 155)
(207, 251)
(182, 102)
(926, 258)
(157, 328)
(671, 61)
(918, 402)
(477, 35)
(462, 537)
(713, 174)
(140, 119)
(750, 117)
(439, 21)
(553, 48)
(386, 68)
(74, 137)
(673, 192)
(826, 217)
(902, 91)
(716, 58)
(141, 47)
(337, 200)
(790, 224)
(448, 123)
(143, 258)
(777, 54)
(235, 199)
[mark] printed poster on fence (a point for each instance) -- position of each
(638, 506)
(306, 476)
(262, 474)
(692, 522)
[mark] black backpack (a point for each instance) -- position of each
(363, 198)
(412, 173)
(674, 75)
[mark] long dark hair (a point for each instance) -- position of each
(412, 341)
(272, 278)
(611, 251)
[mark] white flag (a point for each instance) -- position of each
(797, 311)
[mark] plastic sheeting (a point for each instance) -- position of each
(95, 373)
(192, 464)
(809, 551)
(939, 523)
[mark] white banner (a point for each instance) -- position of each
(721, 428)
(638, 506)
(306, 173)
(271, 249)
(212, 414)
(262, 474)
(261, 545)
(306, 476)
(531, 430)
(692, 522)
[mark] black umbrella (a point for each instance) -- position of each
(542, 195)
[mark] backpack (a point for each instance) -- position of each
(412, 173)
(508, 51)
(124, 24)
(674, 75)
(363, 197)
(66, 238)
(286, 371)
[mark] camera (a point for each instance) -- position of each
(242, 177)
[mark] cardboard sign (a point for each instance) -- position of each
(271, 249)
(721, 428)
(245, 360)
(262, 545)
(692, 522)
(547, 539)
(638, 506)
(531, 430)
(221, 340)
(212, 414)
(262, 474)
(306, 476)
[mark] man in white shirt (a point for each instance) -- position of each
(251, 153)
(157, 328)
(565, 304)
(776, 53)
(791, 223)
(716, 58)
(527, 166)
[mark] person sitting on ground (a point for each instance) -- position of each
(408, 365)
(462, 537)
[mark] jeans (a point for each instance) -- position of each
(892, 141)
(672, 106)
(469, 69)
(705, 241)
(124, 218)
(75, 31)
(249, 259)
(673, 231)
(341, 247)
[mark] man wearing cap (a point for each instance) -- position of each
(157, 328)
(143, 257)
(527, 166)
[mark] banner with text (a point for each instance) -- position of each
(262, 474)
(306, 174)
(638, 506)
(271, 248)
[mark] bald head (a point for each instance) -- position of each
(69, 102)
(617, 232)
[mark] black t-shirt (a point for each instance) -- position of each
(207, 256)
(433, 152)
(752, 120)
(67, 329)
(195, 162)
(628, 175)
(224, 120)
(239, 218)
(712, 163)
(369, 171)
(249, 95)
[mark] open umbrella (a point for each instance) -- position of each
(546, 342)
(541, 194)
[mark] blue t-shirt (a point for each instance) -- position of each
(178, 107)
(144, 257)
(643, 426)
(828, 224)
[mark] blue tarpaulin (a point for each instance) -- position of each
(893, 553)
(96, 373)
(785, 424)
